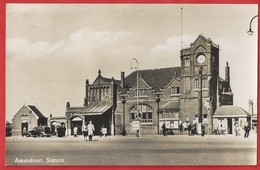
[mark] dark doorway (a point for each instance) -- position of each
(229, 121)
(24, 127)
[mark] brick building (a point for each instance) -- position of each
(165, 95)
(28, 117)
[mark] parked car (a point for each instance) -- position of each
(39, 131)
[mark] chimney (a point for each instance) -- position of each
(122, 79)
(251, 107)
(227, 76)
(86, 95)
(67, 105)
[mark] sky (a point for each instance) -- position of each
(51, 49)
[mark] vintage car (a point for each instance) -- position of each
(39, 131)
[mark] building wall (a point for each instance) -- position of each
(222, 123)
(20, 118)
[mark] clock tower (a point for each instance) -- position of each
(199, 67)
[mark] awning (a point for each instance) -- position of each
(173, 105)
(94, 109)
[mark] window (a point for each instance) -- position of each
(147, 117)
(186, 62)
(145, 114)
(175, 90)
(142, 92)
(197, 84)
(204, 83)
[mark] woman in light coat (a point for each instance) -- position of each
(91, 130)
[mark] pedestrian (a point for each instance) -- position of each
(247, 130)
(24, 131)
(102, 131)
(180, 128)
(75, 131)
(202, 130)
(85, 130)
(91, 130)
(237, 129)
(189, 129)
(164, 129)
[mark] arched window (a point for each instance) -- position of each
(145, 114)
(186, 62)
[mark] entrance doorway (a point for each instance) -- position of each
(24, 127)
(76, 122)
(229, 128)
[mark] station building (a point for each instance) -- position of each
(165, 95)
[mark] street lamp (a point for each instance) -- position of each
(137, 90)
(123, 126)
(250, 32)
(200, 98)
(137, 97)
(158, 99)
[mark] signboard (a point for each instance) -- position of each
(136, 125)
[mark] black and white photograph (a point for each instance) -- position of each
(131, 84)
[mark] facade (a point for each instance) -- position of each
(27, 118)
(99, 106)
(173, 96)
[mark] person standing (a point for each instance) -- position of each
(164, 129)
(75, 131)
(237, 129)
(91, 130)
(85, 130)
(189, 129)
(181, 128)
(247, 130)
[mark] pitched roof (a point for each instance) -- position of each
(36, 111)
(155, 78)
(231, 111)
(208, 40)
(173, 105)
(93, 109)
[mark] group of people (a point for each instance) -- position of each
(88, 131)
(165, 130)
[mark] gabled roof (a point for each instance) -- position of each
(36, 111)
(208, 40)
(231, 111)
(155, 78)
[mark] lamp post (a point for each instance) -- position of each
(123, 126)
(137, 116)
(250, 32)
(200, 99)
(137, 90)
(158, 101)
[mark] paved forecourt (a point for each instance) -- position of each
(130, 150)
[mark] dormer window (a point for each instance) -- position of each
(175, 90)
